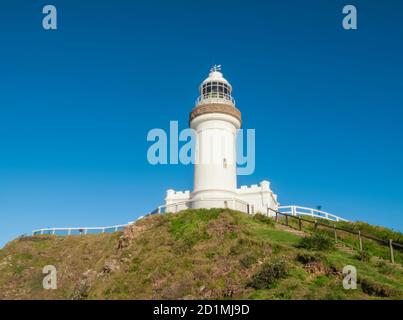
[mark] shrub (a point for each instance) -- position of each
(19, 269)
(307, 257)
(313, 263)
(363, 256)
(269, 273)
(384, 268)
(265, 219)
(317, 241)
(375, 289)
(247, 261)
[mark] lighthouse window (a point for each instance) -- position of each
(215, 87)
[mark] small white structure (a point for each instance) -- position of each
(216, 121)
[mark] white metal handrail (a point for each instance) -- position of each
(81, 230)
(304, 211)
(179, 206)
(216, 97)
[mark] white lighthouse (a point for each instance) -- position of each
(216, 121)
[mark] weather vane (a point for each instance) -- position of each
(216, 68)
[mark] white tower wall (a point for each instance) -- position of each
(215, 163)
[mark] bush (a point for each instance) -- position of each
(314, 263)
(269, 273)
(384, 268)
(363, 256)
(265, 219)
(317, 241)
(247, 261)
(375, 289)
(307, 257)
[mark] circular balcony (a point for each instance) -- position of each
(215, 98)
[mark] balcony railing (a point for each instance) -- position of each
(215, 97)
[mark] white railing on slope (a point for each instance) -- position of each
(303, 211)
(83, 230)
(176, 207)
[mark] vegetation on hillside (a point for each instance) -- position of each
(371, 247)
(195, 254)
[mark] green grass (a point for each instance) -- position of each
(276, 236)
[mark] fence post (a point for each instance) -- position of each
(286, 220)
(299, 223)
(276, 217)
(392, 258)
(360, 239)
(335, 233)
(315, 228)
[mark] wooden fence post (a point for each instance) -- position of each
(360, 239)
(335, 233)
(276, 217)
(286, 220)
(300, 223)
(392, 258)
(315, 226)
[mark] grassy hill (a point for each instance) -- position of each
(196, 254)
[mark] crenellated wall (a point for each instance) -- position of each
(257, 197)
(175, 196)
(176, 200)
(260, 197)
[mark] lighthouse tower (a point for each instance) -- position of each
(216, 120)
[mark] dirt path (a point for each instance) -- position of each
(291, 230)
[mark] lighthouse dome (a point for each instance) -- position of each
(216, 75)
(215, 89)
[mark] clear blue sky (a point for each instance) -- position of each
(76, 104)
